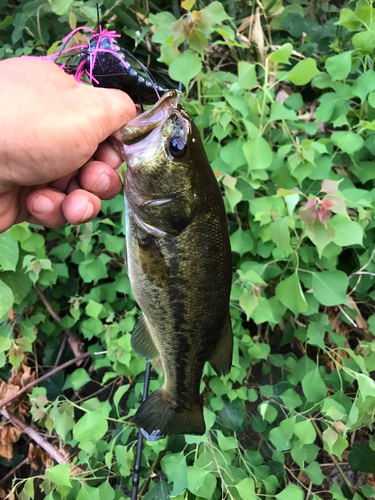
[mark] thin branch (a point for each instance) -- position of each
(73, 339)
(6, 401)
(51, 450)
(10, 474)
(61, 350)
(334, 459)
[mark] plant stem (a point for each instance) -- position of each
(334, 459)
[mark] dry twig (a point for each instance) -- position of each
(51, 450)
(6, 401)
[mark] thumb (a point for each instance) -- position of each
(109, 109)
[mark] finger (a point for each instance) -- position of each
(62, 183)
(80, 206)
(108, 155)
(73, 185)
(100, 179)
(46, 206)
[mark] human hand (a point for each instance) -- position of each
(54, 165)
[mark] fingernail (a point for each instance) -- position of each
(43, 205)
(102, 183)
(89, 212)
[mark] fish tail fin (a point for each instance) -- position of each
(157, 418)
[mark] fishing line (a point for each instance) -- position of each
(138, 458)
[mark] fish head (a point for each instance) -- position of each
(162, 149)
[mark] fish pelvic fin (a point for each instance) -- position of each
(141, 341)
(221, 359)
(157, 418)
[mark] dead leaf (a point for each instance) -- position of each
(258, 37)
(8, 436)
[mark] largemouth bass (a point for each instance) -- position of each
(178, 261)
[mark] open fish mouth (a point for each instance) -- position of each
(143, 136)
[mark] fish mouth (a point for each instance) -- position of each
(142, 135)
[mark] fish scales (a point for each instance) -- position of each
(179, 264)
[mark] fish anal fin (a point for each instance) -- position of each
(157, 418)
(141, 340)
(221, 359)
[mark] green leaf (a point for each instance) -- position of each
(315, 474)
(246, 489)
(6, 299)
(344, 227)
(280, 112)
(349, 19)
(91, 427)
(88, 493)
(305, 432)
(363, 85)
(334, 443)
(313, 386)
(320, 235)
(280, 441)
(5, 344)
(6, 22)
(282, 54)
(93, 270)
(303, 72)
(233, 414)
(8, 252)
(248, 302)
(201, 482)
(161, 491)
(291, 399)
(257, 153)
(290, 294)
(218, 14)
(77, 379)
(94, 308)
(185, 67)
(348, 142)
(106, 492)
(291, 492)
(233, 156)
(247, 78)
(362, 458)
(60, 474)
(279, 232)
(174, 466)
(241, 241)
(60, 7)
(364, 41)
(338, 67)
(267, 411)
(329, 287)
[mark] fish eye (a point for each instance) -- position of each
(177, 147)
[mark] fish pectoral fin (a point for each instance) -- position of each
(152, 260)
(141, 340)
(221, 359)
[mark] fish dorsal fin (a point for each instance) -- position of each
(221, 359)
(141, 340)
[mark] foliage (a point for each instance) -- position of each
(287, 113)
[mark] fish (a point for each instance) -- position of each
(178, 259)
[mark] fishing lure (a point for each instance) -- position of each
(103, 63)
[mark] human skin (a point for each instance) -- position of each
(54, 164)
